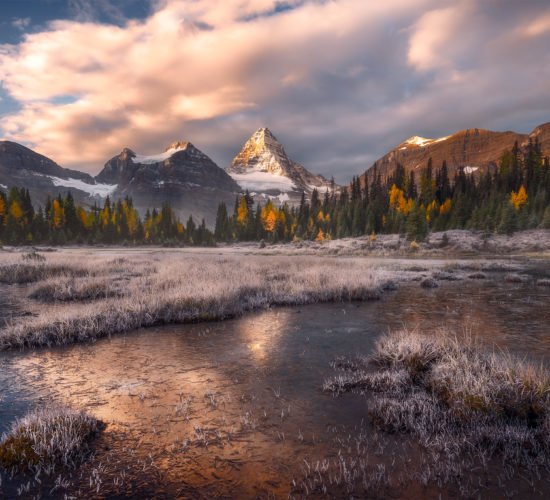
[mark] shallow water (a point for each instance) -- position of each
(235, 409)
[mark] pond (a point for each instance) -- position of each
(236, 408)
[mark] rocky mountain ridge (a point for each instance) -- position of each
(194, 185)
(475, 150)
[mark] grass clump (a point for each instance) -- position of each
(469, 380)
(46, 438)
(31, 273)
(463, 403)
(33, 256)
(74, 290)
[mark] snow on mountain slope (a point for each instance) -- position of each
(149, 160)
(101, 190)
(263, 181)
(422, 141)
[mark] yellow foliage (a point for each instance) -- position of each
(320, 236)
(242, 212)
(320, 216)
(83, 217)
(58, 214)
(518, 199)
(132, 222)
(372, 237)
(395, 193)
(384, 220)
(180, 228)
(399, 202)
(431, 210)
(15, 210)
(270, 220)
(445, 208)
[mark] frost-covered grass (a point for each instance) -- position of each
(74, 290)
(46, 438)
(465, 405)
(173, 287)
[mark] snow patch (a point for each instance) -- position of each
(283, 197)
(149, 160)
(418, 141)
(422, 141)
(263, 181)
(102, 190)
(3, 187)
(470, 170)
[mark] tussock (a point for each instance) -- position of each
(47, 438)
(464, 404)
(74, 290)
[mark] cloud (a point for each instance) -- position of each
(338, 81)
(21, 23)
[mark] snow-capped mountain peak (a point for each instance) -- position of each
(263, 167)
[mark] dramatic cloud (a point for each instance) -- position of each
(339, 82)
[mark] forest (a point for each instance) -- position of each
(61, 222)
(512, 197)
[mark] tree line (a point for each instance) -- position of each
(61, 221)
(514, 196)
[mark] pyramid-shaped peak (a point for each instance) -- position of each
(263, 133)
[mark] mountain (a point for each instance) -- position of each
(182, 175)
(23, 167)
(474, 150)
(263, 168)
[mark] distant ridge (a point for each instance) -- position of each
(475, 150)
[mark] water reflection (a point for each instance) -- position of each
(234, 408)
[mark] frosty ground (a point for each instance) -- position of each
(74, 295)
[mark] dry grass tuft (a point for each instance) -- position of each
(461, 401)
(46, 438)
(75, 290)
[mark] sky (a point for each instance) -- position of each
(338, 82)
